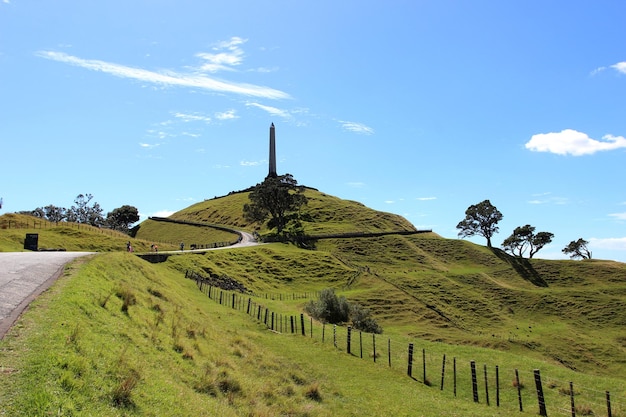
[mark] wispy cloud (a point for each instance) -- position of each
(226, 115)
(195, 117)
(166, 78)
(356, 127)
(618, 216)
(619, 67)
(612, 243)
(356, 184)
(548, 198)
(274, 111)
(227, 55)
(149, 145)
(250, 163)
(572, 142)
(426, 198)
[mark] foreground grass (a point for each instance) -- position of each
(119, 336)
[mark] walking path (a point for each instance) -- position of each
(25, 275)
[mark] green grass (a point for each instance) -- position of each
(145, 337)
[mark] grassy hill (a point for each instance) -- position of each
(174, 352)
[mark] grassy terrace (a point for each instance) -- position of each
(120, 336)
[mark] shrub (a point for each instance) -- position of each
(330, 308)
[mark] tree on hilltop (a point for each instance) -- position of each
(578, 249)
(278, 198)
(523, 238)
(480, 219)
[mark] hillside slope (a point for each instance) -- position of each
(439, 289)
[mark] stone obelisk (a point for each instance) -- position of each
(272, 172)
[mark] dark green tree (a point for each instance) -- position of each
(330, 308)
(122, 218)
(54, 213)
(524, 238)
(278, 198)
(480, 219)
(578, 249)
(82, 212)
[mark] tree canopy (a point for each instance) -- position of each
(578, 249)
(122, 218)
(480, 219)
(278, 198)
(524, 238)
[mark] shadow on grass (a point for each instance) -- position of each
(522, 266)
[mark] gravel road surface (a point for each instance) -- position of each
(25, 275)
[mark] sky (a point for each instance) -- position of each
(419, 108)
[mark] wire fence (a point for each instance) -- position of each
(511, 390)
(45, 224)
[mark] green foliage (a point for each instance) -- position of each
(330, 308)
(122, 218)
(578, 249)
(524, 237)
(480, 219)
(278, 198)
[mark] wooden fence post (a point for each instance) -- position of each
(374, 345)
(348, 339)
(302, 324)
(234, 300)
(519, 391)
(335, 335)
(443, 370)
(389, 350)
(474, 381)
(272, 320)
(292, 329)
(486, 385)
(540, 398)
(454, 374)
(323, 331)
(361, 343)
(571, 398)
(608, 405)
(497, 386)
(249, 303)
(311, 327)
(410, 361)
(424, 366)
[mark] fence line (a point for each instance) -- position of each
(515, 390)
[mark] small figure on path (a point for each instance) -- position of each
(182, 246)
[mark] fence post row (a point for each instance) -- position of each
(238, 303)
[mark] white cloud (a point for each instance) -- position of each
(166, 78)
(356, 127)
(226, 115)
(426, 198)
(618, 216)
(356, 184)
(274, 111)
(574, 143)
(620, 67)
(192, 117)
(149, 145)
(612, 243)
(250, 163)
(389, 202)
(162, 213)
(227, 55)
(548, 198)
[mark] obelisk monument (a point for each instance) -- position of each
(272, 172)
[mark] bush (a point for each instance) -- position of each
(330, 308)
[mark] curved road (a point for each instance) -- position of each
(25, 275)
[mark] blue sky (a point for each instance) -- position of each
(420, 108)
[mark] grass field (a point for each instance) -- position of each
(119, 336)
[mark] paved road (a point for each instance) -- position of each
(25, 275)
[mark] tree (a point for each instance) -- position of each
(523, 238)
(578, 249)
(279, 198)
(82, 212)
(480, 219)
(54, 213)
(122, 218)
